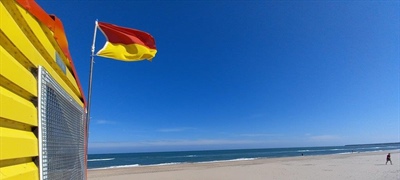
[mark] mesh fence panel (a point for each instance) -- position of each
(61, 132)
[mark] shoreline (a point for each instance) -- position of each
(230, 160)
(178, 163)
(272, 168)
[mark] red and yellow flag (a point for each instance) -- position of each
(126, 44)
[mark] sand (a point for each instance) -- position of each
(356, 166)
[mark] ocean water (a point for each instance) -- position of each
(103, 161)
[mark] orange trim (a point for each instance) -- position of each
(37, 11)
(55, 25)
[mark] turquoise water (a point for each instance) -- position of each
(179, 157)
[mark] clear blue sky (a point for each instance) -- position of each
(240, 74)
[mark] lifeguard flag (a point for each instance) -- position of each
(126, 44)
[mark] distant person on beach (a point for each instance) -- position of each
(388, 159)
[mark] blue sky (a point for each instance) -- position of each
(241, 74)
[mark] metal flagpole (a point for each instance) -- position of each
(90, 80)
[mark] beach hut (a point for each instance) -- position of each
(43, 129)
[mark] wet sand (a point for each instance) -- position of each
(355, 166)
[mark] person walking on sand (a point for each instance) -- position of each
(388, 159)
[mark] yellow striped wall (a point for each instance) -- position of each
(25, 44)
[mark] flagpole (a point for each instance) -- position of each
(90, 80)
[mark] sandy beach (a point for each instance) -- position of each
(355, 166)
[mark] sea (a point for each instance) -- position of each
(106, 161)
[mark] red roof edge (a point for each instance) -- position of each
(55, 25)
